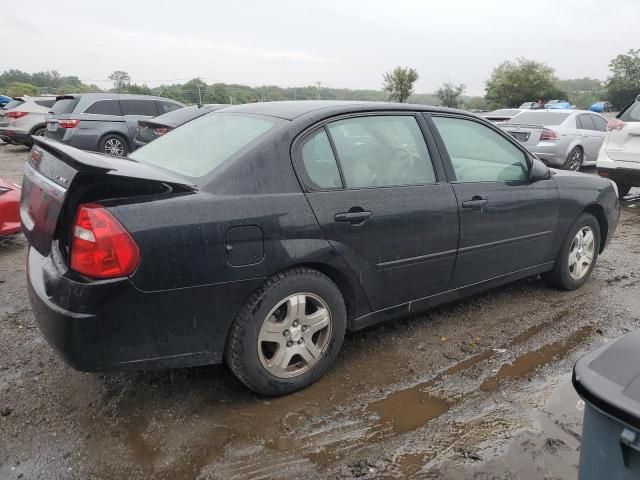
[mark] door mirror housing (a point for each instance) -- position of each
(539, 171)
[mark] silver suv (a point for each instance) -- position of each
(24, 117)
(103, 122)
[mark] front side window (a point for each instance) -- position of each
(382, 151)
(104, 107)
(319, 162)
(479, 154)
(198, 147)
(139, 107)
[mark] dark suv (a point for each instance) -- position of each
(103, 122)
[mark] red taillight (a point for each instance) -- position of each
(160, 131)
(615, 124)
(549, 135)
(13, 114)
(68, 123)
(101, 247)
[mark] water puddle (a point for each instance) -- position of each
(409, 409)
(528, 363)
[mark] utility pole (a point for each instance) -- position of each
(230, 98)
(199, 92)
(318, 87)
(263, 94)
(295, 93)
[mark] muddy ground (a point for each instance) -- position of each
(479, 389)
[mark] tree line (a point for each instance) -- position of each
(510, 84)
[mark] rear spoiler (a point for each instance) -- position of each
(91, 162)
(527, 125)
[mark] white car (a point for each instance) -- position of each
(24, 118)
(619, 157)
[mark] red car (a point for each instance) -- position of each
(9, 208)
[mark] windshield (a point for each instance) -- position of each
(65, 105)
(539, 118)
(631, 114)
(198, 147)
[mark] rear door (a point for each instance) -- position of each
(379, 196)
(506, 222)
(623, 144)
(591, 137)
(137, 109)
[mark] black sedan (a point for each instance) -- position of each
(258, 234)
(155, 127)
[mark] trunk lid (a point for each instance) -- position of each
(58, 177)
(528, 135)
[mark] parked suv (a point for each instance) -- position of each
(103, 122)
(24, 117)
(619, 157)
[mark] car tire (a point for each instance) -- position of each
(575, 159)
(623, 190)
(275, 312)
(114, 145)
(38, 132)
(563, 275)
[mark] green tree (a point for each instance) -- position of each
(449, 94)
(121, 80)
(399, 83)
(624, 83)
(513, 83)
(18, 89)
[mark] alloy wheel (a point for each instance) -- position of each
(575, 161)
(294, 335)
(582, 253)
(114, 147)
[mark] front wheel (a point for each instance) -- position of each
(288, 333)
(578, 255)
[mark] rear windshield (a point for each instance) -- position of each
(631, 114)
(13, 104)
(506, 112)
(197, 148)
(180, 116)
(539, 118)
(65, 105)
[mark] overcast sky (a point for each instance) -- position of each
(340, 43)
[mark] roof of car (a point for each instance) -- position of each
(111, 95)
(290, 110)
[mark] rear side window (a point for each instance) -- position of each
(139, 107)
(600, 123)
(198, 147)
(319, 162)
(585, 122)
(13, 104)
(631, 114)
(479, 154)
(46, 103)
(104, 107)
(65, 105)
(166, 107)
(382, 151)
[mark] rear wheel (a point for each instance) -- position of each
(38, 132)
(288, 333)
(574, 159)
(113, 145)
(578, 255)
(623, 190)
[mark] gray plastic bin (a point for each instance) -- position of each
(608, 379)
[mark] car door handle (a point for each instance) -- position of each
(476, 203)
(355, 216)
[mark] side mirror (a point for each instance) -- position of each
(539, 171)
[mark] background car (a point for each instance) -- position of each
(25, 118)
(4, 100)
(103, 122)
(558, 104)
(566, 139)
(529, 106)
(9, 208)
(619, 157)
(501, 115)
(149, 130)
(601, 107)
(260, 233)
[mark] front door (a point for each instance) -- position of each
(506, 221)
(373, 187)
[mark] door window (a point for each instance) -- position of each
(382, 151)
(479, 154)
(319, 162)
(600, 123)
(139, 107)
(585, 122)
(104, 107)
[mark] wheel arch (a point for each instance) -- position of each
(598, 212)
(36, 127)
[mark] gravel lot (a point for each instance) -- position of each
(479, 388)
